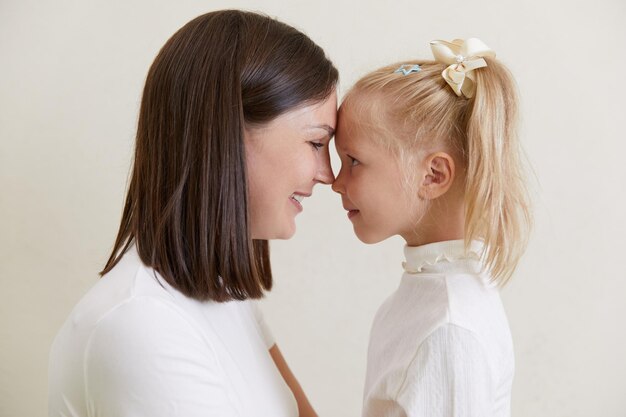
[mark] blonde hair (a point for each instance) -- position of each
(410, 111)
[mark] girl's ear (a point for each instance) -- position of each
(438, 176)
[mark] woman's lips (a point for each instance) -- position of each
(296, 203)
(297, 197)
(352, 213)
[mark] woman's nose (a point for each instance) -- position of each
(324, 171)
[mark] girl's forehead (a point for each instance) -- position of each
(359, 140)
(350, 122)
(366, 106)
(354, 114)
(363, 116)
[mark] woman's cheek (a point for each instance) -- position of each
(312, 165)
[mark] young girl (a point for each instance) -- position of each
(429, 152)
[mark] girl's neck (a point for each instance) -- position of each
(425, 239)
(441, 222)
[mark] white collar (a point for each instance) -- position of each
(417, 257)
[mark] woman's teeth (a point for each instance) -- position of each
(297, 197)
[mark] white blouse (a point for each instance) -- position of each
(135, 346)
(440, 345)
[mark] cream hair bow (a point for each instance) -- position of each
(462, 57)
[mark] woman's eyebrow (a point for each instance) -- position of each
(330, 130)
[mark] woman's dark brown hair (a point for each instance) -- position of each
(187, 203)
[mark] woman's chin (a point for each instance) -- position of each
(283, 233)
(288, 233)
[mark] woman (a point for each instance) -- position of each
(233, 133)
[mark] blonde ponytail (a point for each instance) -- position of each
(497, 208)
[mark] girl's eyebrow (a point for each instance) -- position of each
(330, 130)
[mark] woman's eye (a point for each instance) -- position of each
(353, 162)
(317, 145)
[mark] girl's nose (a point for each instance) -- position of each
(338, 184)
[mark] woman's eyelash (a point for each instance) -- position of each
(317, 145)
(353, 161)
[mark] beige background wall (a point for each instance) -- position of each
(71, 74)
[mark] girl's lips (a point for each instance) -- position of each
(352, 213)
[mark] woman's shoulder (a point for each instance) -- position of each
(145, 325)
(128, 282)
(130, 305)
(121, 332)
(146, 353)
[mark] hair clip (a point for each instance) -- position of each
(411, 68)
(462, 58)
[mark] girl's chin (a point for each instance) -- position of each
(368, 238)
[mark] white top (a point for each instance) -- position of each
(135, 346)
(440, 346)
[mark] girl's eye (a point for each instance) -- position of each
(353, 162)
(316, 145)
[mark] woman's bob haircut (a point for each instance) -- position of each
(187, 204)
